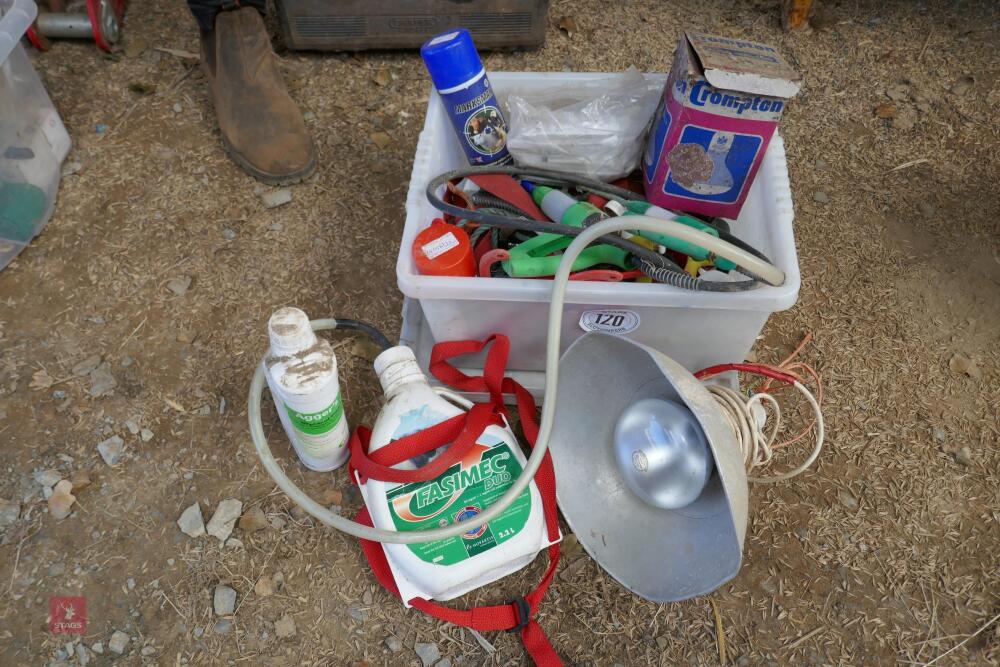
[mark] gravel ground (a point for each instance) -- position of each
(135, 321)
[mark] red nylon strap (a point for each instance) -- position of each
(508, 189)
(462, 430)
(483, 619)
(496, 617)
(492, 379)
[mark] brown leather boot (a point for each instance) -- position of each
(262, 129)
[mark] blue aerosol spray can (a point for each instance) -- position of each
(461, 81)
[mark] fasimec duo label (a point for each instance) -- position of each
(721, 105)
(460, 493)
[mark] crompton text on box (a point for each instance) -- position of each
(719, 109)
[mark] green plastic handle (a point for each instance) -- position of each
(690, 249)
(541, 246)
(535, 267)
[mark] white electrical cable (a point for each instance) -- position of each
(764, 270)
(756, 447)
(739, 413)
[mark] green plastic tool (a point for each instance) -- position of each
(534, 258)
(684, 247)
(526, 266)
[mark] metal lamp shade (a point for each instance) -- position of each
(663, 555)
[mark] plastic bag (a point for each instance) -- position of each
(594, 128)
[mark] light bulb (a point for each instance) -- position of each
(662, 453)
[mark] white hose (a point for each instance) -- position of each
(678, 230)
(766, 271)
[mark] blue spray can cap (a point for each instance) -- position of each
(451, 59)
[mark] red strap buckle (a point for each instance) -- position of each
(523, 611)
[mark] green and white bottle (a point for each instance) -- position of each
(445, 569)
(301, 372)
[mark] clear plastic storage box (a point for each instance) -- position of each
(33, 139)
(697, 329)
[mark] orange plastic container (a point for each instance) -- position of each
(443, 250)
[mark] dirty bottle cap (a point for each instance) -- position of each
(393, 355)
(452, 59)
(615, 207)
(443, 250)
(290, 332)
(397, 366)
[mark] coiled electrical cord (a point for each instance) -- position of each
(664, 268)
(758, 448)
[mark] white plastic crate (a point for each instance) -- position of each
(33, 139)
(697, 329)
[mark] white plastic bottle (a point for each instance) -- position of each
(301, 372)
(445, 569)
